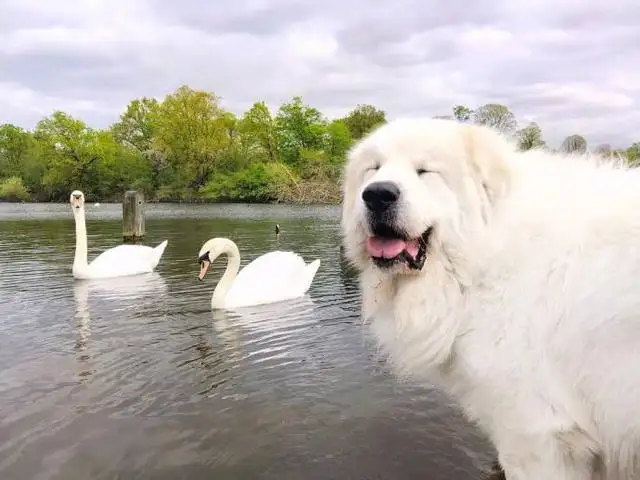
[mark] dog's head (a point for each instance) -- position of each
(416, 188)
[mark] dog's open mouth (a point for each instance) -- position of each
(387, 250)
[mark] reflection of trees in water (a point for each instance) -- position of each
(243, 335)
(83, 329)
(218, 347)
(232, 339)
(214, 363)
(136, 288)
(59, 234)
(348, 273)
(349, 277)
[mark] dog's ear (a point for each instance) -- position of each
(488, 154)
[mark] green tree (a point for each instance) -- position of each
(136, 129)
(633, 154)
(120, 167)
(363, 119)
(12, 189)
(20, 157)
(136, 126)
(604, 150)
(338, 141)
(258, 129)
(574, 144)
(462, 113)
(15, 144)
(69, 155)
(235, 149)
(191, 134)
(298, 127)
(496, 116)
(77, 156)
(530, 137)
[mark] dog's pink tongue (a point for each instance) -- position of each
(385, 248)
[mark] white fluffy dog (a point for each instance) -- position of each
(509, 280)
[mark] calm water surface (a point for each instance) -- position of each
(137, 378)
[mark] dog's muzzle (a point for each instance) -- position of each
(388, 244)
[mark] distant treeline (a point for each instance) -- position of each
(188, 148)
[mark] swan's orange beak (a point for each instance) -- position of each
(204, 266)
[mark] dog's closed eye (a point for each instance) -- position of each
(422, 171)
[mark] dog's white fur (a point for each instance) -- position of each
(527, 310)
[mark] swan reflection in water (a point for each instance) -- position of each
(269, 317)
(120, 291)
(271, 332)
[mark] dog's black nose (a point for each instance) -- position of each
(379, 196)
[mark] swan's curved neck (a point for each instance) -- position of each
(230, 273)
(80, 263)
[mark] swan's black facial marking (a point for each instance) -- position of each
(205, 261)
(204, 258)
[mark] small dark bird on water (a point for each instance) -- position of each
(277, 229)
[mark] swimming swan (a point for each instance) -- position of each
(119, 261)
(272, 277)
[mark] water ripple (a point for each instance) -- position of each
(138, 378)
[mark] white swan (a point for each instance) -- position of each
(272, 277)
(119, 261)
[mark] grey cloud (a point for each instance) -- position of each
(62, 74)
(407, 57)
(389, 23)
(13, 18)
(619, 13)
(386, 49)
(594, 44)
(224, 16)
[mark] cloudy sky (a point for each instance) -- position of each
(569, 65)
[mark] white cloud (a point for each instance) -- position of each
(566, 65)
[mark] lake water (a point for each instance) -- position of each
(139, 379)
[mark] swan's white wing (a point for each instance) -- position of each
(123, 260)
(267, 267)
(272, 277)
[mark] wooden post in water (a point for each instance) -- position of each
(132, 215)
